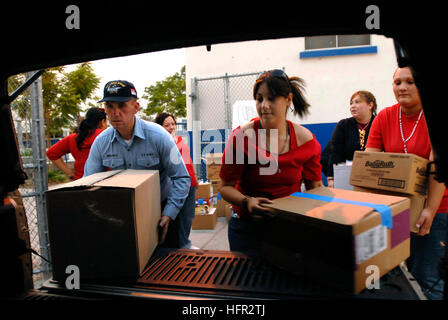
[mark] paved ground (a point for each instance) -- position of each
(215, 239)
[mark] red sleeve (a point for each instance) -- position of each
(375, 139)
(62, 147)
(185, 153)
(312, 167)
(232, 164)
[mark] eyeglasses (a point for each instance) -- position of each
(274, 73)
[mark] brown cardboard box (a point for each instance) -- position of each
(216, 186)
(223, 208)
(213, 165)
(204, 190)
(335, 243)
(398, 172)
(205, 220)
(220, 207)
(417, 204)
(106, 224)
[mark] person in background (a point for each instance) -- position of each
(132, 143)
(402, 128)
(351, 134)
(186, 214)
(78, 143)
(292, 151)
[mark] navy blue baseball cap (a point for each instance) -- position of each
(119, 91)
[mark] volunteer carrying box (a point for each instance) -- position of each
(417, 204)
(105, 224)
(336, 236)
(398, 172)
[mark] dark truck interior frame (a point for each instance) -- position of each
(35, 37)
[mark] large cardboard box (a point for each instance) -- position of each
(105, 224)
(335, 243)
(417, 204)
(213, 165)
(204, 190)
(398, 172)
(205, 220)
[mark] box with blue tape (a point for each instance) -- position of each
(337, 236)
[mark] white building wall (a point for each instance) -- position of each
(330, 81)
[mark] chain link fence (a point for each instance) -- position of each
(27, 113)
(213, 100)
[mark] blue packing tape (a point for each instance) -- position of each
(384, 211)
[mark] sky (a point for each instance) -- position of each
(142, 70)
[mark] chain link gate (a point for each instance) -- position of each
(212, 101)
(28, 116)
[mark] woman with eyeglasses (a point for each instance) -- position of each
(267, 158)
(78, 143)
(351, 134)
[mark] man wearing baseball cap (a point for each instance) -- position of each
(132, 143)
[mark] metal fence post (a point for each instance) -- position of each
(196, 128)
(40, 168)
(228, 118)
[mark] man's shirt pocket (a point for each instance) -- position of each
(114, 163)
(148, 163)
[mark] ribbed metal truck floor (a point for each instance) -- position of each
(204, 274)
(235, 274)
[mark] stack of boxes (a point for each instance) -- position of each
(205, 213)
(213, 165)
(209, 203)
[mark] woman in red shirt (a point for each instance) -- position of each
(186, 214)
(78, 143)
(267, 158)
(402, 128)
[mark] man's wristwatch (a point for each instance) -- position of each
(245, 203)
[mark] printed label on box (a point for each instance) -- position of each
(370, 243)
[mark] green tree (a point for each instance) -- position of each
(64, 93)
(167, 96)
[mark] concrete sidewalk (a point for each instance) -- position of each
(215, 239)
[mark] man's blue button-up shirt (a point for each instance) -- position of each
(151, 148)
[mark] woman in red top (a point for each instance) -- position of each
(402, 128)
(78, 144)
(267, 158)
(187, 212)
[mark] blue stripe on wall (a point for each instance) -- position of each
(322, 132)
(338, 52)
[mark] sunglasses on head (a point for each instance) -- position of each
(274, 73)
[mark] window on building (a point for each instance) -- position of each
(336, 41)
